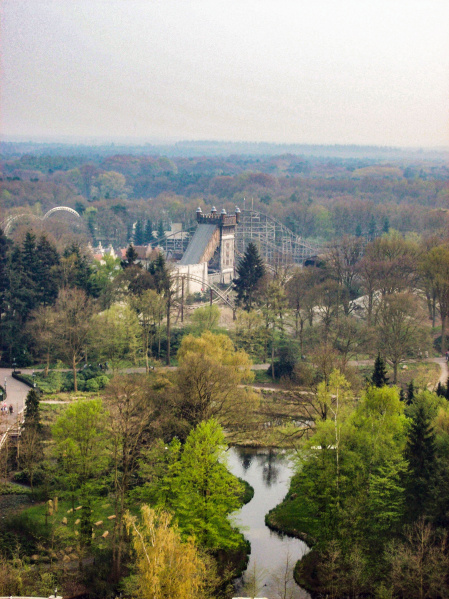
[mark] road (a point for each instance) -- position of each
(16, 394)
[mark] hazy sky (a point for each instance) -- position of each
(299, 71)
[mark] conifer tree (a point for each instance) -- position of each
(379, 378)
(441, 390)
(32, 409)
(160, 230)
(410, 393)
(131, 257)
(420, 453)
(138, 233)
(250, 271)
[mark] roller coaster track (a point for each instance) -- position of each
(221, 294)
(278, 245)
(7, 224)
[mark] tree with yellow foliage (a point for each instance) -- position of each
(210, 377)
(166, 567)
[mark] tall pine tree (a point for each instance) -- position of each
(250, 272)
(420, 453)
(139, 233)
(379, 377)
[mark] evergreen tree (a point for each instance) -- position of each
(32, 410)
(76, 270)
(379, 378)
(420, 453)
(441, 390)
(160, 230)
(158, 268)
(386, 226)
(358, 231)
(250, 271)
(402, 395)
(446, 389)
(131, 257)
(46, 275)
(410, 393)
(138, 233)
(148, 236)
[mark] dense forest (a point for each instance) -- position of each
(317, 197)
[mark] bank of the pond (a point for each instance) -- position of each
(272, 555)
(284, 518)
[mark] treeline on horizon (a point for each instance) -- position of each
(191, 148)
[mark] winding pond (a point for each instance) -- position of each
(268, 472)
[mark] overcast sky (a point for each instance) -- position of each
(296, 71)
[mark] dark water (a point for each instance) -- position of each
(269, 473)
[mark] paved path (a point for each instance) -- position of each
(444, 369)
(15, 395)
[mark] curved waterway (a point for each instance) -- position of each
(269, 473)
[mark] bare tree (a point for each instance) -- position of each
(71, 322)
(130, 409)
(41, 327)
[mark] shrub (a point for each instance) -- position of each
(92, 385)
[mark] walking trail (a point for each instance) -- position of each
(16, 393)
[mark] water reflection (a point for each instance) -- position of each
(273, 556)
(246, 458)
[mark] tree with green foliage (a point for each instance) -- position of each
(80, 447)
(164, 286)
(139, 233)
(201, 491)
(32, 416)
(75, 270)
(205, 319)
(274, 307)
(348, 493)
(250, 272)
(29, 449)
(379, 377)
(421, 456)
(160, 231)
(115, 335)
(410, 393)
(149, 307)
(130, 258)
(210, 377)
